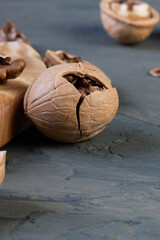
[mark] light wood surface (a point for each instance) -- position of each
(2, 165)
(12, 118)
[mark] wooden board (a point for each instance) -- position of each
(12, 118)
(2, 165)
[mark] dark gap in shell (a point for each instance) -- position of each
(77, 113)
(85, 85)
(4, 60)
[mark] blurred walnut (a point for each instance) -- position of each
(71, 102)
(10, 33)
(155, 72)
(128, 21)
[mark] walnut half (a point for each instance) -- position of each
(155, 72)
(71, 102)
(10, 70)
(58, 57)
(128, 22)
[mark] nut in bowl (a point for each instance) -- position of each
(71, 102)
(128, 21)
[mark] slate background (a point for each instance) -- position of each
(104, 188)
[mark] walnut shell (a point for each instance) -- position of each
(59, 57)
(155, 72)
(126, 30)
(60, 110)
(2, 165)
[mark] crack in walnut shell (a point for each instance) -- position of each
(9, 32)
(85, 85)
(71, 102)
(10, 70)
(59, 57)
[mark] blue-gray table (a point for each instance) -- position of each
(107, 187)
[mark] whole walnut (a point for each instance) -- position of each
(71, 102)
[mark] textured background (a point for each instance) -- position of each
(105, 188)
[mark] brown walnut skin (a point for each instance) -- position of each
(2, 166)
(60, 111)
(126, 30)
(10, 70)
(53, 58)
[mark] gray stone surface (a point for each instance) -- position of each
(105, 188)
